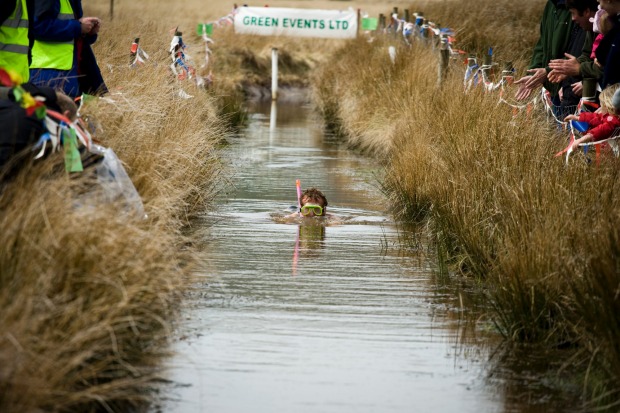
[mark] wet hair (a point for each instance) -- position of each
(582, 5)
(315, 195)
(606, 99)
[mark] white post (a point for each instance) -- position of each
(273, 117)
(272, 127)
(274, 73)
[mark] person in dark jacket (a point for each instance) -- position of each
(555, 33)
(608, 51)
(61, 53)
(567, 72)
(583, 66)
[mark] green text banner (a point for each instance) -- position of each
(277, 21)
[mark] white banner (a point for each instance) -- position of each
(277, 21)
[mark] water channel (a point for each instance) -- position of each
(323, 318)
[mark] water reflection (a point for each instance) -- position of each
(310, 240)
(273, 117)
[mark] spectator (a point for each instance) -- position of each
(14, 25)
(602, 26)
(61, 54)
(569, 72)
(600, 125)
(608, 50)
(555, 33)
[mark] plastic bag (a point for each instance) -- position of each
(115, 184)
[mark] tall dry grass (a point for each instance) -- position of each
(88, 295)
(87, 299)
(541, 235)
(510, 28)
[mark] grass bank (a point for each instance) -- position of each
(89, 296)
(542, 237)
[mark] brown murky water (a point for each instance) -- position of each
(325, 318)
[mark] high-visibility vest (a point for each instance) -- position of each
(14, 41)
(55, 55)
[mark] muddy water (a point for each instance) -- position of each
(322, 316)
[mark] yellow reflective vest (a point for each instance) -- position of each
(55, 55)
(14, 41)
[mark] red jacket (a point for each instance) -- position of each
(601, 125)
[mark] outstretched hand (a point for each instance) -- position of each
(556, 77)
(530, 82)
(536, 78)
(523, 92)
(567, 67)
(584, 138)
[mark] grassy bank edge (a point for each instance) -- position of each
(89, 293)
(542, 238)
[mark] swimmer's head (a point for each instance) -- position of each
(313, 203)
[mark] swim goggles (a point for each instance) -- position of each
(306, 209)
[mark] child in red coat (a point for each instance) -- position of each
(601, 125)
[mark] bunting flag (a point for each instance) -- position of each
(204, 28)
(370, 23)
(60, 131)
(73, 160)
(180, 59)
(137, 55)
(392, 54)
(471, 74)
(32, 105)
(206, 39)
(571, 141)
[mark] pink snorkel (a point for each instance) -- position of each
(296, 251)
(298, 184)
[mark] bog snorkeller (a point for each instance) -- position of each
(311, 203)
